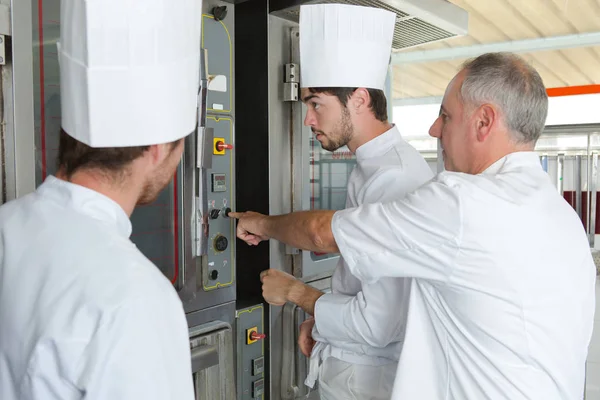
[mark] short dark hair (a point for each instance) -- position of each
(378, 101)
(74, 155)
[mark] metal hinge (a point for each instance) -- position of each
(290, 82)
(2, 50)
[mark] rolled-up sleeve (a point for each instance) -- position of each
(416, 237)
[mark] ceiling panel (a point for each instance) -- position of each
(587, 60)
(492, 21)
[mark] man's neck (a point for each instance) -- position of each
(368, 132)
(125, 193)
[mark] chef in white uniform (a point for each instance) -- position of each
(83, 314)
(502, 301)
(358, 335)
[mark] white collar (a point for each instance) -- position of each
(87, 202)
(516, 159)
(378, 145)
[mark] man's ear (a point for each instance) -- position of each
(486, 117)
(360, 100)
(157, 153)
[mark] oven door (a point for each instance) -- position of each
(212, 361)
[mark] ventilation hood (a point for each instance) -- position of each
(417, 22)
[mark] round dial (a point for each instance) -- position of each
(220, 243)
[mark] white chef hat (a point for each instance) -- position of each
(129, 70)
(344, 45)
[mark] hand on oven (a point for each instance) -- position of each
(249, 226)
(277, 285)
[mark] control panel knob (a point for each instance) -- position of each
(221, 243)
(214, 274)
(219, 13)
(220, 146)
(226, 212)
(214, 213)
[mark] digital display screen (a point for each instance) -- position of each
(219, 182)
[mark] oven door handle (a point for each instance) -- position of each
(204, 357)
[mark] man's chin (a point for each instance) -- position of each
(149, 197)
(144, 201)
(329, 147)
(326, 144)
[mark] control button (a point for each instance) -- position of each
(257, 336)
(219, 13)
(252, 335)
(214, 213)
(258, 366)
(214, 274)
(225, 212)
(222, 146)
(258, 388)
(221, 243)
(249, 332)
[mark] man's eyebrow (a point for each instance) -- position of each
(309, 97)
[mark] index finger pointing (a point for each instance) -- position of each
(236, 215)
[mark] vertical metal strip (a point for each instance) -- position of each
(187, 272)
(560, 170)
(593, 190)
(195, 203)
(329, 204)
(389, 92)
(296, 152)
(17, 83)
(578, 179)
(2, 148)
(203, 158)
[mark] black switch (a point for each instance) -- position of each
(214, 274)
(219, 13)
(226, 212)
(214, 213)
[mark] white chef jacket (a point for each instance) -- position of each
(364, 323)
(83, 314)
(502, 300)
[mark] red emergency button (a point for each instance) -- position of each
(221, 146)
(252, 335)
(257, 336)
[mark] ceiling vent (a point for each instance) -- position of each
(417, 22)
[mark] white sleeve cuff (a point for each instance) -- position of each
(328, 318)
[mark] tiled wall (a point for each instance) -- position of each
(593, 364)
